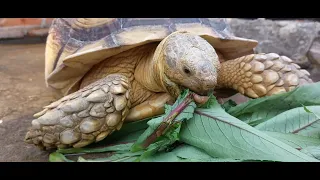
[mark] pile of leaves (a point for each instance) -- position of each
(283, 128)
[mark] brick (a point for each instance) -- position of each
(20, 27)
(7, 22)
(38, 32)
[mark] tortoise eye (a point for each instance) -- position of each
(186, 70)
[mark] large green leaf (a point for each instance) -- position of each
(185, 153)
(262, 109)
(294, 140)
(117, 157)
(312, 151)
(297, 121)
(221, 135)
(118, 147)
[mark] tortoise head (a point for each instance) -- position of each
(188, 61)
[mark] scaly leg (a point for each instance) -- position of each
(83, 117)
(151, 107)
(259, 75)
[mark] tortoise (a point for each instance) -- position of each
(110, 71)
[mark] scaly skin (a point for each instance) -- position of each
(259, 75)
(83, 117)
(137, 83)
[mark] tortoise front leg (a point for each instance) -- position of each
(259, 75)
(153, 106)
(83, 117)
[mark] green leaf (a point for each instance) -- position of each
(119, 147)
(185, 153)
(128, 133)
(221, 135)
(116, 142)
(195, 154)
(170, 135)
(312, 151)
(294, 140)
(118, 157)
(267, 107)
(58, 157)
(296, 121)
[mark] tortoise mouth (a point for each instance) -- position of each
(199, 92)
(200, 97)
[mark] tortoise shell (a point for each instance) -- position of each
(74, 45)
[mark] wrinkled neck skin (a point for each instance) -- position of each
(150, 72)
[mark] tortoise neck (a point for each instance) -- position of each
(160, 69)
(148, 70)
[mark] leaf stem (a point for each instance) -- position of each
(167, 122)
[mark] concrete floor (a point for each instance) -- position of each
(22, 93)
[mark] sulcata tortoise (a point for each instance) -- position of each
(109, 71)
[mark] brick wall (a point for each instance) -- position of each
(21, 27)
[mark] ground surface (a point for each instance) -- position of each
(23, 93)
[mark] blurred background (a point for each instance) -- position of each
(22, 86)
